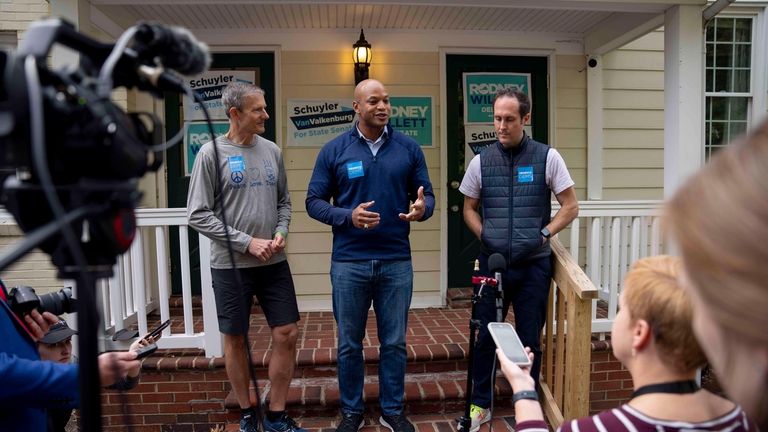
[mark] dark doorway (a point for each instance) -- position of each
(463, 246)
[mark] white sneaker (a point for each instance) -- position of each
(478, 416)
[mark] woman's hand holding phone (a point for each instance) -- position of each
(519, 377)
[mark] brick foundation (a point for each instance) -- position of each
(610, 384)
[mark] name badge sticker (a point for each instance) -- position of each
(236, 164)
(525, 174)
(355, 169)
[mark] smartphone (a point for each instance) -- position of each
(157, 332)
(145, 351)
(506, 338)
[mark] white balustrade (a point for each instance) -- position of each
(617, 233)
(141, 285)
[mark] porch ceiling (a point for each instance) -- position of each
(574, 17)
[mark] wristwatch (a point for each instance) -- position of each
(527, 394)
(545, 232)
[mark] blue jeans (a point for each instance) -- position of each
(388, 285)
(526, 287)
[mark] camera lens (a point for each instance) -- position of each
(57, 303)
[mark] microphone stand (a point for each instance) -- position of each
(479, 284)
(497, 264)
(499, 296)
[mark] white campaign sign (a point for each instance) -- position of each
(312, 123)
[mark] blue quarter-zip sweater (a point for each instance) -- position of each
(347, 172)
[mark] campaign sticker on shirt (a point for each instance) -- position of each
(236, 164)
(525, 174)
(355, 169)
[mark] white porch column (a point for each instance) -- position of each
(683, 94)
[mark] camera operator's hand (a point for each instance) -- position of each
(38, 324)
(261, 249)
(115, 365)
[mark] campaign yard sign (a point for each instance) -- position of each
(480, 89)
(312, 123)
(195, 135)
(412, 115)
(208, 87)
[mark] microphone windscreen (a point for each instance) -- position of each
(497, 263)
(190, 56)
(175, 47)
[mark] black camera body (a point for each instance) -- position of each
(94, 152)
(24, 299)
(86, 135)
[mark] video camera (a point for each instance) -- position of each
(64, 143)
(60, 133)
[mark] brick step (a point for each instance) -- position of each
(503, 421)
(436, 393)
(459, 297)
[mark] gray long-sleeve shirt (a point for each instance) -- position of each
(255, 196)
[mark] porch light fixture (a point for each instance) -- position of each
(361, 55)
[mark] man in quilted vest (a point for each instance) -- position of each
(507, 193)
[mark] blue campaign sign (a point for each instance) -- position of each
(195, 135)
(480, 90)
(412, 115)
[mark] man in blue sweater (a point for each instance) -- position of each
(378, 181)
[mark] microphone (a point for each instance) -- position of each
(173, 47)
(497, 264)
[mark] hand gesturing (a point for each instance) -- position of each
(417, 208)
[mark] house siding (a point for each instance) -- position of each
(571, 118)
(633, 122)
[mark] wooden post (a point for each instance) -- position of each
(577, 361)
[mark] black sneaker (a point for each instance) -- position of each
(283, 424)
(350, 422)
(396, 423)
(249, 423)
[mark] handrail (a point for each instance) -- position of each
(565, 366)
(571, 276)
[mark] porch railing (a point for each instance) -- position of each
(611, 235)
(141, 285)
(566, 354)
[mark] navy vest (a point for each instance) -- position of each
(515, 199)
